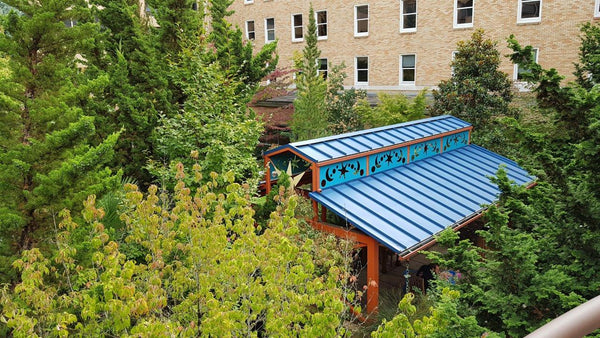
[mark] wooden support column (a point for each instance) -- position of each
(268, 177)
(315, 206)
(323, 214)
(372, 275)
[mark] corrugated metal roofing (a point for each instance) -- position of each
(404, 207)
(333, 147)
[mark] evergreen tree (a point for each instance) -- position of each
(48, 158)
(138, 88)
(236, 57)
(310, 111)
(477, 90)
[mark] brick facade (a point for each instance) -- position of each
(555, 34)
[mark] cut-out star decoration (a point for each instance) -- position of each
(343, 170)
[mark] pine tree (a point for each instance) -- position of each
(236, 57)
(310, 118)
(49, 160)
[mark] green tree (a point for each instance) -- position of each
(236, 57)
(207, 271)
(50, 158)
(129, 55)
(477, 90)
(442, 320)
(341, 103)
(215, 121)
(310, 111)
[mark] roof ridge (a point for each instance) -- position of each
(372, 130)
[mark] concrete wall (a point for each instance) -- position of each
(556, 34)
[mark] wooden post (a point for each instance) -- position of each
(268, 177)
(315, 210)
(323, 214)
(372, 276)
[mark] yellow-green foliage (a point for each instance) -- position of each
(208, 271)
(392, 109)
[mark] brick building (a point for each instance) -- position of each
(409, 44)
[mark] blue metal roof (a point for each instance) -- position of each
(402, 208)
(338, 146)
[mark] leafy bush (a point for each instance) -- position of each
(392, 109)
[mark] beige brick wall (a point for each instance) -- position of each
(556, 35)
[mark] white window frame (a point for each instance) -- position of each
(356, 82)
(322, 37)
(452, 58)
(248, 31)
(356, 33)
(294, 38)
(456, 9)
(70, 23)
(516, 66)
(528, 20)
(267, 31)
(407, 83)
(319, 70)
(248, 2)
(402, 15)
(597, 9)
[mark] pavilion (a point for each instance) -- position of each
(396, 186)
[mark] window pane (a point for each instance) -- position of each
(271, 35)
(251, 35)
(250, 26)
(408, 61)
(362, 63)
(298, 32)
(322, 30)
(465, 16)
(530, 9)
(410, 21)
(410, 6)
(408, 75)
(270, 23)
(322, 17)
(362, 26)
(362, 12)
(464, 3)
(298, 20)
(363, 76)
(322, 64)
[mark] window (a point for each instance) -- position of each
(597, 9)
(408, 69)
(408, 16)
(519, 71)
(463, 13)
(70, 23)
(195, 6)
(361, 20)
(297, 30)
(362, 70)
(247, 2)
(530, 11)
(321, 25)
(269, 30)
(250, 32)
(322, 67)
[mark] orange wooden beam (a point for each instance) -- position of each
(372, 276)
(268, 178)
